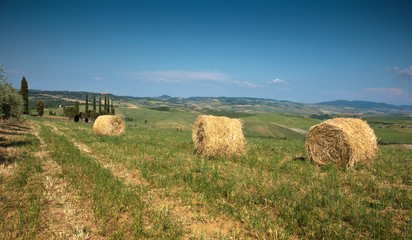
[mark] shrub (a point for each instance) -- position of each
(70, 112)
(40, 108)
(93, 114)
(11, 101)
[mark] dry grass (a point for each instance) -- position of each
(341, 141)
(218, 136)
(109, 125)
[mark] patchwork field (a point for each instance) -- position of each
(59, 180)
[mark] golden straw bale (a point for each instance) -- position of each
(218, 136)
(341, 141)
(109, 125)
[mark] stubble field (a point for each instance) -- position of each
(59, 180)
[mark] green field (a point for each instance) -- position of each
(255, 125)
(266, 125)
(60, 180)
(390, 130)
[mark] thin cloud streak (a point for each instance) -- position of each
(404, 74)
(246, 83)
(388, 92)
(277, 81)
(390, 95)
(14, 71)
(180, 77)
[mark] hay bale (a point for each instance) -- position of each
(341, 141)
(109, 125)
(218, 136)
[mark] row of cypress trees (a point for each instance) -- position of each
(108, 106)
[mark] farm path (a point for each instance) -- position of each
(196, 220)
(298, 130)
(130, 105)
(67, 216)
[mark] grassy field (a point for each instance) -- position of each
(255, 125)
(59, 180)
(266, 125)
(390, 130)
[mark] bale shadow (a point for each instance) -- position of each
(13, 144)
(5, 159)
(300, 158)
(15, 127)
(11, 133)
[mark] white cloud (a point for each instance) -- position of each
(174, 76)
(276, 81)
(179, 76)
(388, 92)
(246, 83)
(14, 71)
(404, 74)
(389, 95)
(97, 78)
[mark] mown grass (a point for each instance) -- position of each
(271, 190)
(21, 196)
(120, 210)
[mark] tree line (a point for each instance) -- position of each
(106, 109)
(13, 103)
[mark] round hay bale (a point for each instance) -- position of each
(218, 136)
(341, 141)
(109, 125)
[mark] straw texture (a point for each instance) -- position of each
(341, 141)
(109, 125)
(218, 136)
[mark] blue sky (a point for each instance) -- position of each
(303, 51)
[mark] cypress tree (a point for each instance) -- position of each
(108, 104)
(105, 103)
(76, 107)
(24, 91)
(94, 103)
(100, 105)
(113, 113)
(87, 105)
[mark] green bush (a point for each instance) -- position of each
(93, 114)
(70, 112)
(11, 102)
(40, 108)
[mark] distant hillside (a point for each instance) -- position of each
(371, 106)
(227, 104)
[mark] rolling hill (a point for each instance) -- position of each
(243, 104)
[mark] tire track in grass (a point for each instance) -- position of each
(20, 183)
(118, 210)
(66, 216)
(197, 222)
